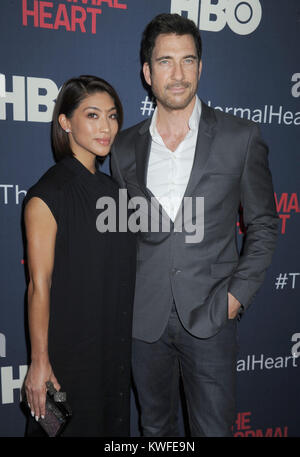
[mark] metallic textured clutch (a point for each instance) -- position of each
(58, 412)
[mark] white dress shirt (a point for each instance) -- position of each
(169, 171)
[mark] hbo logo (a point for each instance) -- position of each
(32, 99)
(242, 16)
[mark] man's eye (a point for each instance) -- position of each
(164, 62)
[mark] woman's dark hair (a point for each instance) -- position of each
(168, 23)
(72, 93)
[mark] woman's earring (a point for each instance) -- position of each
(68, 130)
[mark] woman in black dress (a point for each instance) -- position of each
(81, 285)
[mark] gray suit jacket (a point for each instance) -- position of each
(230, 169)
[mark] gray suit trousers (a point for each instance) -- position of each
(208, 370)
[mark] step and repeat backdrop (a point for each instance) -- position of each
(251, 68)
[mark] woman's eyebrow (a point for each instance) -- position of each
(98, 109)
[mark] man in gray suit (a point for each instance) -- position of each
(190, 293)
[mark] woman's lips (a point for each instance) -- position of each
(103, 141)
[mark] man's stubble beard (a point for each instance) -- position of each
(170, 103)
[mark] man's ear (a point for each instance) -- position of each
(147, 73)
(200, 69)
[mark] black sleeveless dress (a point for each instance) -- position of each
(91, 302)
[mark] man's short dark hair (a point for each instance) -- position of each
(167, 23)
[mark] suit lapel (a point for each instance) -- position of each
(204, 140)
(142, 153)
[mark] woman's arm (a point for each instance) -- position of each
(41, 231)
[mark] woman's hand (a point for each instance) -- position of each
(35, 386)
